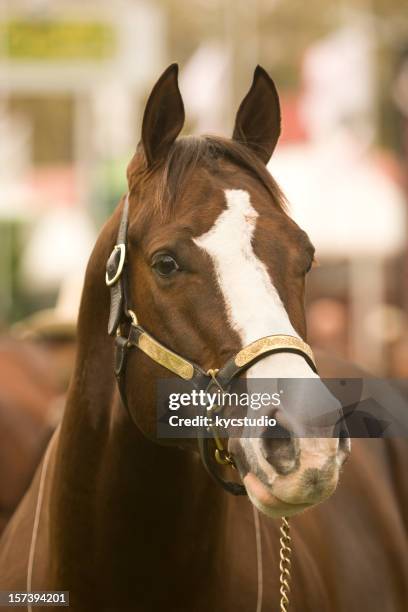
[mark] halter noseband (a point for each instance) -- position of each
(116, 279)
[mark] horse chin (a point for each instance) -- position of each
(266, 502)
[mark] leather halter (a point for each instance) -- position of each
(120, 313)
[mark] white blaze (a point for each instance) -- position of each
(253, 305)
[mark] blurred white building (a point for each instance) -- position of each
(98, 57)
(351, 209)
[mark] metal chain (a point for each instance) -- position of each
(285, 550)
(285, 563)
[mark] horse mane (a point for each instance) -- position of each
(189, 152)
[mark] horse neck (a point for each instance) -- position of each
(110, 482)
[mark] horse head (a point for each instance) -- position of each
(214, 264)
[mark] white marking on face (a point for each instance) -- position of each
(254, 310)
(253, 304)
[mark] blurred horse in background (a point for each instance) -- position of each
(34, 373)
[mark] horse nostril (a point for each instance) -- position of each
(280, 449)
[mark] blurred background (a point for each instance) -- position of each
(74, 78)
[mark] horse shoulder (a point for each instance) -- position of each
(25, 541)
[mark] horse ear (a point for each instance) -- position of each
(163, 117)
(258, 120)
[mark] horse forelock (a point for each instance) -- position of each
(166, 182)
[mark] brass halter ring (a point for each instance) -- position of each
(221, 454)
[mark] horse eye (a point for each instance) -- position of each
(165, 265)
(309, 267)
(313, 264)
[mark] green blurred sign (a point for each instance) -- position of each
(57, 40)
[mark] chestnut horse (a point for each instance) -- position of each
(210, 262)
(33, 383)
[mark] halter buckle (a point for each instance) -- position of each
(111, 281)
(223, 457)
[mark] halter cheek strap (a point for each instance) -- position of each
(114, 277)
(137, 336)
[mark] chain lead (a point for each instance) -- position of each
(285, 563)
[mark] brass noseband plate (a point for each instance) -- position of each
(165, 357)
(269, 343)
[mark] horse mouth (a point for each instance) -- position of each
(268, 503)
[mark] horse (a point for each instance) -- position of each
(33, 382)
(206, 276)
